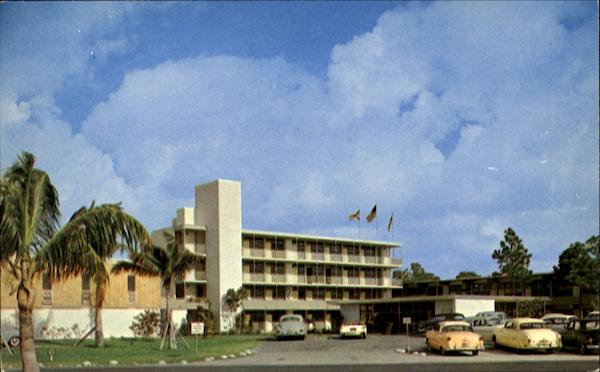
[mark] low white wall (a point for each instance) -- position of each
(73, 323)
(351, 313)
(470, 307)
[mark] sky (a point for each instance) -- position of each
(460, 118)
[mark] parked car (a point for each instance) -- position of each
(492, 314)
(11, 336)
(582, 335)
(290, 326)
(440, 318)
(453, 336)
(485, 326)
(592, 315)
(527, 334)
(353, 330)
(558, 321)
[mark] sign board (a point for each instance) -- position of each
(197, 328)
(406, 320)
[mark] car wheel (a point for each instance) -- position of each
(494, 342)
(442, 351)
(550, 351)
(475, 352)
(582, 349)
(363, 336)
(14, 341)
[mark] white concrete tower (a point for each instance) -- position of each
(219, 208)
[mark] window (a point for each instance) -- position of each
(179, 290)
(85, 289)
(278, 268)
(258, 243)
(320, 270)
(301, 270)
(300, 246)
(369, 251)
(336, 294)
(353, 272)
(335, 249)
(317, 248)
(353, 250)
(277, 245)
(259, 292)
(131, 289)
(46, 290)
(279, 293)
(257, 317)
(257, 267)
(319, 294)
(302, 293)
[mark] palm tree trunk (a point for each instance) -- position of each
(99, 334)
(170, 333)
(25, 300)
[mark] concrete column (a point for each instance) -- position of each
(219, 208)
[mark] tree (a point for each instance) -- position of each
(513, 259)
(29, 217)
(93, 235)
(146, 323)
(233, 300)
(578, 265)
(170, 263)
(467, 274)
(416, 274)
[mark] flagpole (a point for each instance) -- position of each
(376, 220)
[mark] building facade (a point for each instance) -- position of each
(279, 272)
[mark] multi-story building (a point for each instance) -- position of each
(279, 272)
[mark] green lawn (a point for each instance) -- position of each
(133, 351)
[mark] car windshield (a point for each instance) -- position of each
(457, 328)
(290, 319)
(532, 325)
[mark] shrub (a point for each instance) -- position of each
(146, 324)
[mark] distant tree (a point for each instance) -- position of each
(416, 273)
(467, 274)
(530, 309)
(578, 265)
(146, 323)
(513, 260)
(233, 300)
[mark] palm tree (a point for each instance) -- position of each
(170, 263)
(92, 236)
(29, 217)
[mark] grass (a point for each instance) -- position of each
(132, 351)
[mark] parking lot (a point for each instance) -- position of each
(379, 349)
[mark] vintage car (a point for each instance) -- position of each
(290, 326)
(10, 336)
(485, 326)
(582, 335)
(453, 336)
(439, 318)
(353, 330)
(492, 314)
(557, 321)
(527, 334)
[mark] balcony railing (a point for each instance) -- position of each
(353, 258)
(301, 279)
(370, 259)
(353, 280)
(334, 280)
(200, 248)
(317, 256)
(370, 281)
(278, 278)
(301, 255)
(257, 252)
(335, 257)
(200, 275)
(257, 277)
(278, 254)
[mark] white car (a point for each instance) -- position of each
(558, 322)
(353, 330)
(528, 334)
(485, 326)
(11, 336)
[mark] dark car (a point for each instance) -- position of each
(440, 318)
(582, 335)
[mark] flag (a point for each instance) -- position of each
(391, 223)
(373, 214)
(354, 216)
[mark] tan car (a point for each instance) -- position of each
(453, 336)
(527, 334)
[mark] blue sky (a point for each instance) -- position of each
(460, 118)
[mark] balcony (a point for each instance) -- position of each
(354, 280)
(200, 248)
(200, 275)
(278, 278)
(370, 281)
(334, 280)
(336, 257)
(257, 252)
(278, 254)
(353, 258)
(317, 256)
(371, 259)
